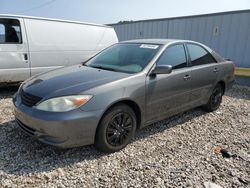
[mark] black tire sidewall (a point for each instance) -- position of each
(209, 107)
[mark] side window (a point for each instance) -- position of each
(10, 31)
(175, 56)
(199, 55)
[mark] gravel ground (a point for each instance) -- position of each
(176, 152)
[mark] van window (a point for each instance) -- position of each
(10, 31)
(2, 33)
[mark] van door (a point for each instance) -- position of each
(14, 61)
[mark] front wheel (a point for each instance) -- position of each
(116, 129)
(215, 99)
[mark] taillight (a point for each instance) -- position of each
(234, 67)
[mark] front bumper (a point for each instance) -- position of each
(66, 130)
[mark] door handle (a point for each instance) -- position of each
(187, 77)
(216, 70)
(25, 57)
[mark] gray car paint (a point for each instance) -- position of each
(157, 97)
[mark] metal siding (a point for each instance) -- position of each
(194, 30)
(164, 32)
(179, 24)
(126, 32)
(121, 36)
(123, 29)
(153, 30)
(208, 31)
(159, 29)
(137, 31)
(226, 21)
(199, 30)
(246, 54)
(188, 29)
(241, 45)
(140, 30)
(233, 38)
(170, 28)
(232, 41)
(132, 32)
(202, 29)
(146, 29)
(216, 38)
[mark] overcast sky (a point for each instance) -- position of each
(112, 11)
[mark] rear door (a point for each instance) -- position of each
(204, 73)
(14, 63)
(167, 94)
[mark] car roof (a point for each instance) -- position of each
(155, 41)
(165, 42)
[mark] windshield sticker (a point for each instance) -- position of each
(150, 46)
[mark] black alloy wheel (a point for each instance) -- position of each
(116, 129)
(119, 129)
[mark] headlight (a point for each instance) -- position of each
(64, 104)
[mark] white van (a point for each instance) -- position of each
(30, 45)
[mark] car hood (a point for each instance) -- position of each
(69, 81)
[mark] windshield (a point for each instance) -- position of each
(125, 57)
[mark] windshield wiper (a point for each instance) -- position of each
(104, 68)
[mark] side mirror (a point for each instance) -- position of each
(161, 69)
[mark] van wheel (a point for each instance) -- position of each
(116, 129)
(215, 99)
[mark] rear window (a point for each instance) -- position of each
(199, 55)
(10, 31)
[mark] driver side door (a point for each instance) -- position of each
(168, 94)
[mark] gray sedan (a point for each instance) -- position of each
(125, 87)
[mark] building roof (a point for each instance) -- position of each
(182, 17)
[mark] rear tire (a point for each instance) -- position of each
(215, 99)
(116, 129)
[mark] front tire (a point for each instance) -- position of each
(116, 129)
(215, 99)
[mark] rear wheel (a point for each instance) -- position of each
(215, 99)
(116, 129)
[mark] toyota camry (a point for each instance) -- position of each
(125, 87)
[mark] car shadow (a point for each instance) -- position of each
(21, 154)
(9, 90)
(169, 123)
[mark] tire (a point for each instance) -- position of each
(215, 99)
(116, 129)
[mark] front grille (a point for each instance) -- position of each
(25, 128)
(28, 99)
